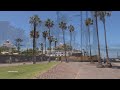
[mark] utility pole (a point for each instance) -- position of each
(81, 31)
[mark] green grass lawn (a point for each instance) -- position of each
(25, 71)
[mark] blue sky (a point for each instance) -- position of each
(20, 19)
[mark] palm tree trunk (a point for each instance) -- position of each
(42, 50)
(49, 31)
(89, 43)
(87, 38)
(64, 44)
(42, 53)
(81, 34)
(50, 51)
(49, 45)
(34, 45)
(17, 46)
(108, 62)
(55, 49)
(45, 45)
(99, 61)
(70, 40)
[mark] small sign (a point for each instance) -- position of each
(12, 71)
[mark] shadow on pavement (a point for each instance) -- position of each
(115, 67)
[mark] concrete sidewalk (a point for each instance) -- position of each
(81, 70)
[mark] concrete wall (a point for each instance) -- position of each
(21, 58)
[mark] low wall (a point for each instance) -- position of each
(22, 58)
(81, 59)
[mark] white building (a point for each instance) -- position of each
(7, 45)
(57, 53)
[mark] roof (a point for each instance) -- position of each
(8, 44)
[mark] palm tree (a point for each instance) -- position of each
(32, 34)
(89, 22)
(41, 45)
(18, 44)
(63, 27)
(55, 41)
(96, 23)
(102, 15)
(34, 42)
(81, 31)
(50, 38)
(35, 21)
(71, 29)
(45, 34)
(49, 24)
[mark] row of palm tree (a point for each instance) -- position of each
(102, 16)
(35, 21)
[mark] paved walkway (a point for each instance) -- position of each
(81, 70)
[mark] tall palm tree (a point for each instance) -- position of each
(45, 35)
(102, 15)
(35, 21)
(71, 29)
(81, 30)
(18, 44)
(99, 56)
(49, 24)
(34, 42)
(89, 22)
(50, 38)
(63, 27)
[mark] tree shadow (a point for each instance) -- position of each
(115, 67)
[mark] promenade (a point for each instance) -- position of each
(81, 70)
